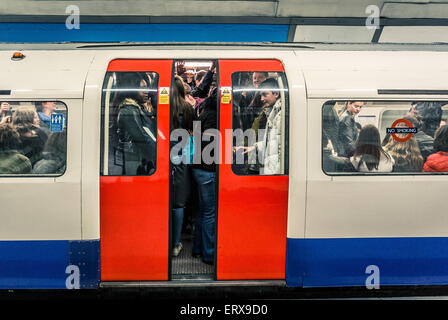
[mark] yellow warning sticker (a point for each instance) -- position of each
(164, 95)
(226, 94)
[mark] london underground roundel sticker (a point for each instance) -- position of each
(409, 130)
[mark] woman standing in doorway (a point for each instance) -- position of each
(183, 114)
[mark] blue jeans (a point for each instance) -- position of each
(178, 218)
(204, 231)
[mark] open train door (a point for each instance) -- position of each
(252, 206)
(134, 199)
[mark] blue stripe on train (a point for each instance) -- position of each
(343, 262)
(43, 264)
(89, 32)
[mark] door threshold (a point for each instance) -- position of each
(193, 277)
(193, 283)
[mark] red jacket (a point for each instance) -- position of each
(437, 162)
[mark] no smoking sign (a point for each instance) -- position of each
(409, 130)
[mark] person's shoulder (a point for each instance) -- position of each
(128, 109)
(438, 155)
(16, 156)
(344, 118)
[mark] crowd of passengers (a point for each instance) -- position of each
(258, 107)
(350, 147)
(193, 100)
(26, 144)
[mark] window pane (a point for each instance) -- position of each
(260, 101)
(129, 122)
(33, 138)
(386, 137)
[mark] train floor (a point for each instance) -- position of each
(185, 266)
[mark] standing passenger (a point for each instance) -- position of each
(249, 107)
(33, 139)
(183, 115)
(406, 155)
(348, 130)
(46, 109)
(424, 141)
(369, 156)
(330, 124)
(135, 124)
(5, 112)
(431, 113)
(269, 150)
(438, 162)
(205, 176)
(203, 82)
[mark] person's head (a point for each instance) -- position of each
(4, 107)
(143, 94)
(9, 137)
(368, 146)
(178, 88)
(269, 92)
(199, 77)
(415, 120)
(56, 144)
(258, 78)
(443, 122)
(406, 154)
(441, 139)
(48, 107)
(188, 97)
(25, 119)
(369, 135)
(190, 76)
(132, 81)
(212, 87)
(431, 112)
(354, 107)
(187, 89)
(180, 105)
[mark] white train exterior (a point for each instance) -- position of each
(337, 226)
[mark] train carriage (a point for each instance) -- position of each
(94, 222)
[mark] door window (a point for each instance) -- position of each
(259, 123)
(130, 125)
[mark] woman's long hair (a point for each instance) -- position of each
(406, 154)
(9, 137)
(181, 106)
(23, 119)
(368, 147)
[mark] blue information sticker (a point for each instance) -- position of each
(56, 122)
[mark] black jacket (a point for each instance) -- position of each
(331, 163)
(348, 134)
(208, 120)
(330, 124)
(132, 121)
(202, 90)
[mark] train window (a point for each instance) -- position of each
(129, 109)
(259, 123)
(384, 137)
(33, 138)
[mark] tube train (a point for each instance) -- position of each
(91, 223)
